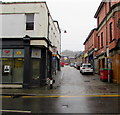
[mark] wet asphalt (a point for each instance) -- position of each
(72, 93)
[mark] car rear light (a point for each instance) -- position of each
(91, 67)
(83, 68)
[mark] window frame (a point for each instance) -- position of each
(29, 22)
(111, 31)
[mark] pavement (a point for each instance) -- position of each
(60, 87)
(16, 89)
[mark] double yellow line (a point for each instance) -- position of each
(56, 96)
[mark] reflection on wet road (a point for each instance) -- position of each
(76, 93)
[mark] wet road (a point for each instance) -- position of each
(75, 93)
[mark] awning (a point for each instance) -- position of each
(85, 55)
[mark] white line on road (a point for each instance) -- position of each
(16, 111)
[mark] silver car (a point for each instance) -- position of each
(86, 68)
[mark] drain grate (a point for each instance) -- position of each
(102, 88)
(86, 81)
(64, 106)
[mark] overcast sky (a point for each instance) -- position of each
(74, 16)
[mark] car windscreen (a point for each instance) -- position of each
(87, 66)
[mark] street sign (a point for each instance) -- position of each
(108, 60)
(53, 58)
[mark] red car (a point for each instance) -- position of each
(62, 64)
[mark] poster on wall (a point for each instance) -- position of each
(6, 69)
(7, 53)
(36, 53)
(19, 53)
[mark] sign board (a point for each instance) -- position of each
(36, 53)
(108, 60)
(53, 58)
(54, 51)
(7, 53)
(18, 52)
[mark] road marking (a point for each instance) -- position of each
(15, 111)
(53, 96)
(71, 96)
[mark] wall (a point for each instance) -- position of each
(14, 19)
(115, 67)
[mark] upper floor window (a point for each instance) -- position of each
(98, 42)
(102, 39)
(98, 21)
(30, 21)
(110, 4)
(111, 31)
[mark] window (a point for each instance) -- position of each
(29, 21)
(98, 42)
(111, 31)
(102, 39)
(110, 4)
(98, 21)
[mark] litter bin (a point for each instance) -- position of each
(104, 74)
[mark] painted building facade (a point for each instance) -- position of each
(29, 35)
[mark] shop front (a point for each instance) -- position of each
(12, 65)
(24, 63)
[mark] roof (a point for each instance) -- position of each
(99, 8)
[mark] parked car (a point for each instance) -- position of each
(78, 65)
(66, 64)
(62, 64)
(71, 64)
(86, 68)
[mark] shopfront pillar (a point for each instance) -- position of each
(43, 69)
(27, 63)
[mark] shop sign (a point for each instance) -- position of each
(18, 52)
(7, 53)
(54, 58)
(108, 60)
(54, 51)
(36, 53)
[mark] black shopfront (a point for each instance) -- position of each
(23, 63)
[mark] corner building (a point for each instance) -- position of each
(29, 35)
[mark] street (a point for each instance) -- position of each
(75, 93)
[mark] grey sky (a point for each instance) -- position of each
(74, 16)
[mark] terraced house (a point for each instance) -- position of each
(107, 49)
(30, 43)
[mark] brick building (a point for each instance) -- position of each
(107, 43)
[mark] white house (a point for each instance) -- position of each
(29, 36)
